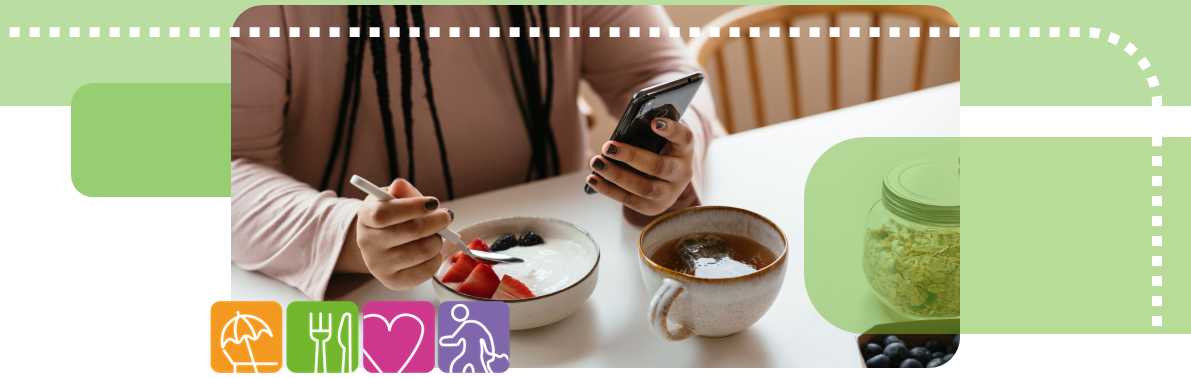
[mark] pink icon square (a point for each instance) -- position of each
(398, 337)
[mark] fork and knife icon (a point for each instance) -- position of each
(322, 334)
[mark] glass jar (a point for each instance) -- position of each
(911, 240)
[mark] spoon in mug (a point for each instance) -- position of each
(447, 234)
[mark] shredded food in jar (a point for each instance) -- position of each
(914, 268)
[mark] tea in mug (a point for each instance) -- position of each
(710, 255)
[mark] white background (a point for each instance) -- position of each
(125, 285)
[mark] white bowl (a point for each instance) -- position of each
(541, 310)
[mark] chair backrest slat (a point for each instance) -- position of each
(755, 77)
(725, 94)
(875, 60)
(832, 67)
(792, 67)
(919, 70)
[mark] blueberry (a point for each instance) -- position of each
(947, 357)
(910, 363)
(890, 340)
(529, 238)
(951, 349)
(871, 350)
(935, 363)
(920, 354)
(955, 341)
(897, 351)
(936, 355)
(504, 242)
(933, 346)
(878, 361)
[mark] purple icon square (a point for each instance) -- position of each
(398, 337)
(473, 337)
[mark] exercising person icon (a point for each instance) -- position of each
(482, 346)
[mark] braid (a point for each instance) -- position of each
(531, 80)
(517, 90)
(381, 73)
(424, 52)
(345, 99)
(549, 97)
(355, 110)
(407, 104)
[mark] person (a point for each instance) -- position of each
(455, 116)
(483, 350)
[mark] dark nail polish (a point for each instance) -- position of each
(612, 150)
(598, 165)
(452, 215)
(432, 204)
(661, 125)
(592, 181)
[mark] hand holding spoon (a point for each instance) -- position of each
(447, 234)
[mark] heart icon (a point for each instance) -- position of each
(395, 337)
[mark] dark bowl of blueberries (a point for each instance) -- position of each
(907, 350)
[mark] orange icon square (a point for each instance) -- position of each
(246, 337)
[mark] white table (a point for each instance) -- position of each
(762, 170)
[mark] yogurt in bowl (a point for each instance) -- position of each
(561, 273)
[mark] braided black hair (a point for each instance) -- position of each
(380, 72)
(424, 52)
(407, 85)
(533, 104)
(351, 79)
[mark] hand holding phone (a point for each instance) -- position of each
(647, 162)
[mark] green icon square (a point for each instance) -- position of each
(337, 348)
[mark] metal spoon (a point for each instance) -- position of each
(447, 234)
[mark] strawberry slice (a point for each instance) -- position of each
(478, 245)
(456, 257)
(481, 283)
(462, 268)
(511, 288)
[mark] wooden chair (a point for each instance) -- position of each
(711, 49)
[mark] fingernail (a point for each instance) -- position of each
(612, 150)
(592, 181)
(598, 165)
(452, 214)
(661, 125)
(432, 204)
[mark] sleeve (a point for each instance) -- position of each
(619, 67)
(280, 226)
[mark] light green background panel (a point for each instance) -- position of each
(151, 140)
(1058, 235)
(841, 188)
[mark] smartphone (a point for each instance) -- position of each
(666, 100)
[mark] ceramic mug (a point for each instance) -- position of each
(710, 307)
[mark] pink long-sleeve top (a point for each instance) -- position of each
(286, 94)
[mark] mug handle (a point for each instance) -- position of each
(659, 308)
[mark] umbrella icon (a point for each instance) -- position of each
(244, 328)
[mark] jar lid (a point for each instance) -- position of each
(924, 191)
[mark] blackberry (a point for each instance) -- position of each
(529, 238)
(504, 242)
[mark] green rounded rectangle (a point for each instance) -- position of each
(151, 140)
